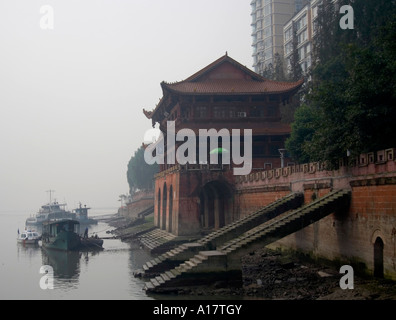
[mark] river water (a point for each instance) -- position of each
(97, 275)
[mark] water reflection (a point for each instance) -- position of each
(66, 264)
(103, 274)
(28, 250)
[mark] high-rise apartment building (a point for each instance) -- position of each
(268, 19)
(301, 26)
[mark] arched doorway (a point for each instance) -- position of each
(215, 204)
(164, 203)
(170, 209)
(378, 258)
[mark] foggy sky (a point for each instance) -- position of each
(71, 98)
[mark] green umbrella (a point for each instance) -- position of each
(219, 150)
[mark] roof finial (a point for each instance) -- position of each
(226, 53)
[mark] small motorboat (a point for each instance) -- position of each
(28, 237)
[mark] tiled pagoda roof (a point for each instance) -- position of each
(225, 76)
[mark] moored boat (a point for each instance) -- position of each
(28, 237)
(91, 243)
(82, 215)
(48, 212)
(64, 235)
(61, 235)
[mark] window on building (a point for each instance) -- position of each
(314, 12)
(268, 54)
(288, 48)
(258, 151)
(267, 31)
(220, 112)
(271, 110)
(288, 33)
(268, 42)
(267, 21)
(201, 112)
(258, 14)
(274, 149)
(304, 20)
(303, 36)
(267, 9)
(301, 54)
(259, 24)
(302, 64)
(298, 25)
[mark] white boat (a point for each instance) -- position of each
(28, 237)
(51, 211)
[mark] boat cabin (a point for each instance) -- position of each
(53, 228)
(29, 235)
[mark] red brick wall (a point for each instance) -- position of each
(253, 200)
(348, 238)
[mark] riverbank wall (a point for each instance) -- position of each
(364, 236)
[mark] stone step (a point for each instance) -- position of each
(165, 277)
(149, 286)
(160, 280)
(169, 274)
(154, 282)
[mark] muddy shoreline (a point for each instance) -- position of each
(275, 275)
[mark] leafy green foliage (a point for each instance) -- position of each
(352, 102)
(140, 175)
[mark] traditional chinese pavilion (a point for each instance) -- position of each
(196, 196)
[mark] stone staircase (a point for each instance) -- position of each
(185, 251)
(156, 238)
(224, 262)
(284, 225)
(146, 212)
(228, 232)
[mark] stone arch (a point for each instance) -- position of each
(215, 204)
(379, 258)
(164, 205)
(377, 233)
(159, 207)
(170, 219)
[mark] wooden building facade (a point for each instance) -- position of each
(199, 195)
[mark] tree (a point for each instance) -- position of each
(140, 175)
(303, 129)
(295, 72)
(353, 92)
(268, 71)
(279, 71)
